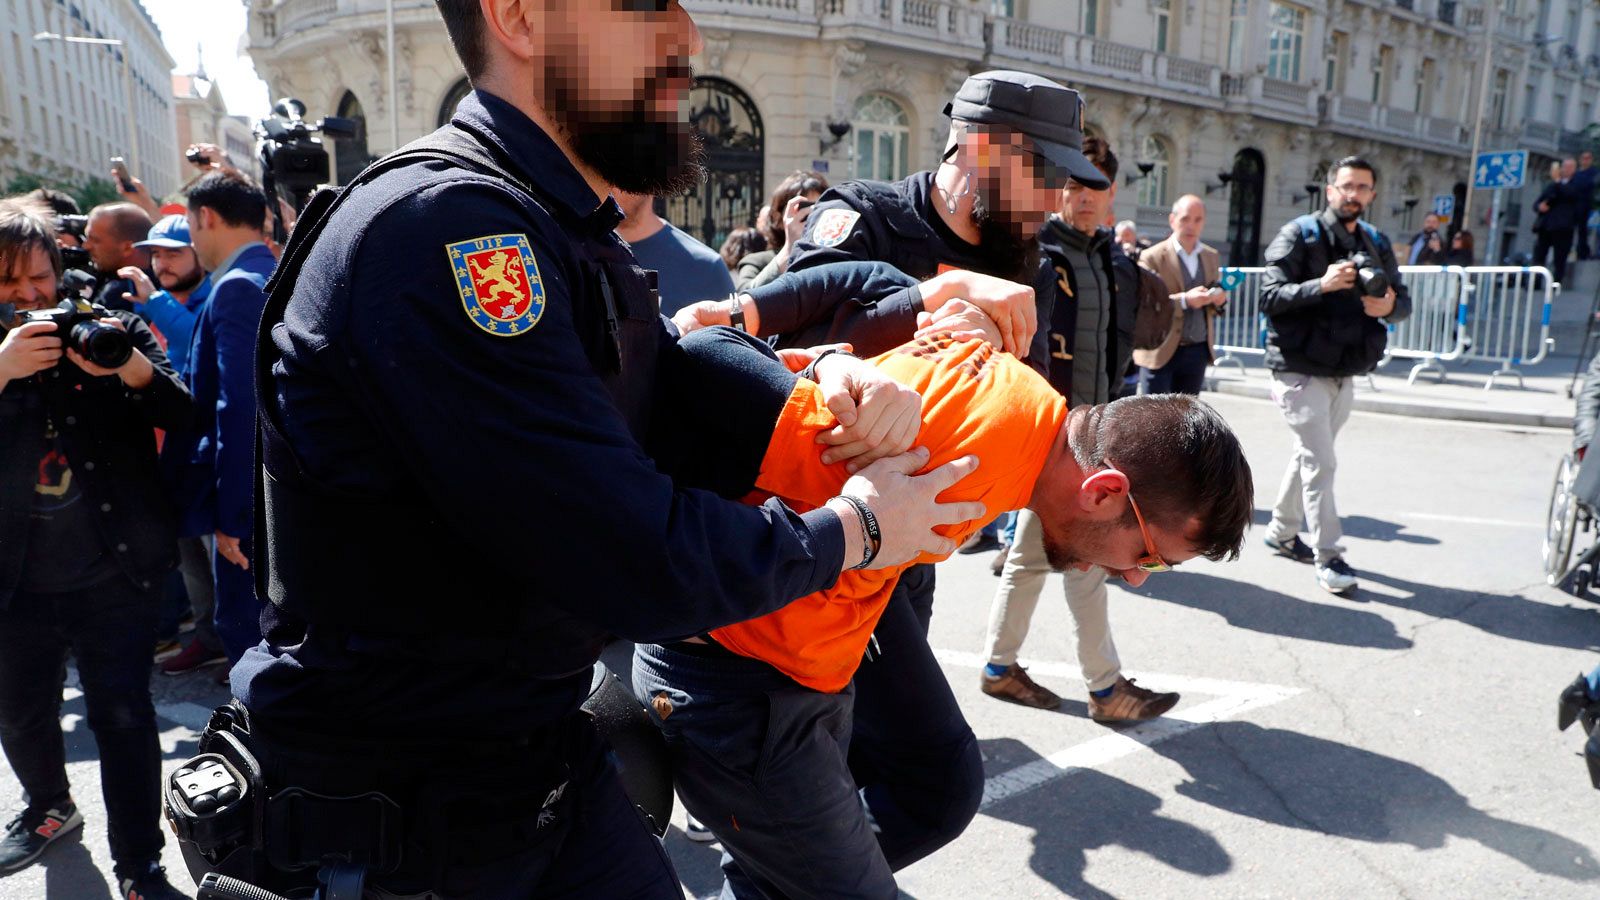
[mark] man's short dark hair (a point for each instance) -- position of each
(60, 203)
(1183, 463)
(463, 20)
(1098, 151)
(25, 227)
(1352, 162)
(128, 222)
(238, 200)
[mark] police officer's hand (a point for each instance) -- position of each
(142, 286)
(878, 416)
(1377, 307)
(1339, 277)
(230, 550)
(27, 349)
(700, 315)
(1008, 303)
(961, 320)
(907, 508)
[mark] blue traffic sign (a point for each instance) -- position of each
(1503, 169)
(1444, 205)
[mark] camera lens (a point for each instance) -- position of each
(101, 344)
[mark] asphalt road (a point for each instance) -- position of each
(1397, 743)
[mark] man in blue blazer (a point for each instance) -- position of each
(226, 218)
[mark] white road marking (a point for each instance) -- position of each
(1468, 520)
(1232, 698)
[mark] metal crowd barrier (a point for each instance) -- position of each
(1479, 313)
(1435, 332)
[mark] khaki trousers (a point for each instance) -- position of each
(1315, 408)
(1022, 582)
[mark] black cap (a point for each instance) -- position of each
(1048, 113)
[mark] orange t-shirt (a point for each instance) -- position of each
(975, 400)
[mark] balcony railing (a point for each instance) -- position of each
(945, 20)
(1078, 53)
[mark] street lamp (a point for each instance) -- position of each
(127, 84)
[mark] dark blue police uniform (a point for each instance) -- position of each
(460, 509)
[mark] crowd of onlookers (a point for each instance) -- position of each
(127, 501)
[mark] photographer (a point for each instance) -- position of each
(1330, 279)
(111, 237)
(1428, 247)
(86, 537)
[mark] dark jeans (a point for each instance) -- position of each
(1558, 240)
(110, 629)
(1583, 237)
(761, 760)
(1184, 373)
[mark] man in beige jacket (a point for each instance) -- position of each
(1191, 272)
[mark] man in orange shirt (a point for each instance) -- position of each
(757, 715)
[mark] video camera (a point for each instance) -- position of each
(293, 159)
(77, 226)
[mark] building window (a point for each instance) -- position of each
(1380, 76)
(1163, 11)
(350, 154)
(1003, 7)
(1497, 99)
(1424, 96)
(1153, 187)
(883, 136)
(458, 92)
(1091, 18)
(1285, 41)
(1238, 34)
(1334, 75)
(1558, 114)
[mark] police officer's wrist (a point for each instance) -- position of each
(743, 314)
(854, 530)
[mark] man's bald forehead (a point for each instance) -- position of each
(1182, 204)
(128, 222)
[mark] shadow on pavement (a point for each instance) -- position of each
(1271, 612)
(1503, 615)
(1364, 527)
(1298, 781)
(70, 872)
(1104, 811)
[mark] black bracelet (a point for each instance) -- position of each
(870, 535)
(809, 373)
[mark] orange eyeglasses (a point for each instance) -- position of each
(1151, 561)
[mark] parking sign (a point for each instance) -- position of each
(1444, 205)
(1500, 169)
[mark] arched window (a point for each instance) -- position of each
(1153, 187)
(351, 152)
(883, 138)
(458, 91)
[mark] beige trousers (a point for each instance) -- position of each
(1020, 586)
(1315, 408)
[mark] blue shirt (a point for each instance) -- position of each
(175, 320)
(688, 270)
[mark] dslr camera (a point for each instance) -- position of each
(79, 325)
(1370, 277)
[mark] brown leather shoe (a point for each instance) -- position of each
(1130, 703)
(1016, 687)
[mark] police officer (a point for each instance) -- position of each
(967, 230)
(460, 371)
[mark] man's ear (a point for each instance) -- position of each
(516, 25)
(1102, 488)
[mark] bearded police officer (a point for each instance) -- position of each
(966, 231)
(460, 373)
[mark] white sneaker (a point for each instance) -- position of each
(1336, 576)
(697, 831)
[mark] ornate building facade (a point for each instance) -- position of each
(64, 107)
(1242, 101)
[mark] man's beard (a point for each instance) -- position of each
(1340, 212)
(186, 282)
(1014, 256)
(627, 148)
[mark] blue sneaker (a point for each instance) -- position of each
(30, 833)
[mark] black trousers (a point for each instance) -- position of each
(110, 629)
(1184, 373)
(1559, 240)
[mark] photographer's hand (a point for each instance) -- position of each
(136, 373)
(1341, 276)
(230, 550)
(139, 196)
(906, 505)
(29, 348)
(1378, 307)
(142, 287)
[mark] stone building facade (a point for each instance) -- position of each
(1242, 101)
(202, 118)
(63, 105)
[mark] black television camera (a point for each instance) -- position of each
(79, 326)
(293, 159)
(77, 226)
(1371, 279)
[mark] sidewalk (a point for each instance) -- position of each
(1542, 401)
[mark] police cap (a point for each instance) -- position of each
(1047, 113)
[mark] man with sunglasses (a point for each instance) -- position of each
(758, 715)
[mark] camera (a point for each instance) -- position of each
(292, 157)
(198, 158)
(79, 326)
(1370, 277)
